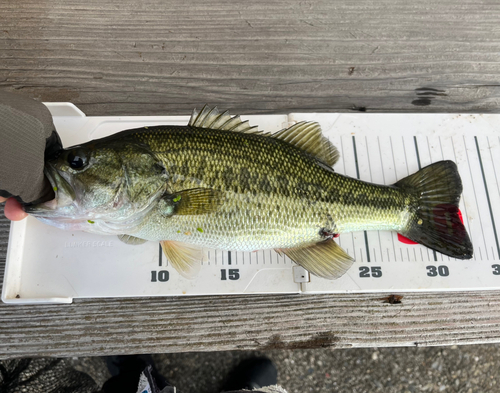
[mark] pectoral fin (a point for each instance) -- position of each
(127, 239)
(185, 258)
(195, 201)
(324, 259)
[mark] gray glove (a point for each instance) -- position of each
(27, 138)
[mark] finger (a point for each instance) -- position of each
(2, 199)
(13, 210)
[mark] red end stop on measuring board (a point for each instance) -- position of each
(405, 240)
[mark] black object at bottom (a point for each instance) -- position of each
(126, 370)
(251, 374)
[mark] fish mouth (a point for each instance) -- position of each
(63, 190)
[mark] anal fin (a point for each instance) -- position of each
(324, 259)
(185, 258)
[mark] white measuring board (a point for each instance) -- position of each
(48, 265)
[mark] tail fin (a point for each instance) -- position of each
(436, 222)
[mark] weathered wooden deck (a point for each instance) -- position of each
(127, 57)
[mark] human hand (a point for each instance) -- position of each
(13, 209)
(27, 138)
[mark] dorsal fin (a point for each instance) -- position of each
(212, 118)
(307, 135)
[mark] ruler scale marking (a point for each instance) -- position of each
(381, 162)
(428, 147)
(370, 165)
(462, 202)
(406, 158)
(391, 234)
(419, 168)
(418, 155)
(344, 172)
(441, 146)
(401, 164)
(442, 158)
(487, 196)
(160, 255)
(393, 159)
(475, 196)
(493, 164)
(434, 252)
(371, 180)
(357, 174)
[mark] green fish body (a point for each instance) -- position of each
(219, 183)
(270, 193)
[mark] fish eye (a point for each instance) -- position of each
(77, 159)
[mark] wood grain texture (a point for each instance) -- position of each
(150, 57)
(166, 56)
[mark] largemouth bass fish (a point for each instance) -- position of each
(219, 183)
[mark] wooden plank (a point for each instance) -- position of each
(165, 57)
(125, 57)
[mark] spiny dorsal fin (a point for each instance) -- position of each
(213, 119)
(308, 136)
(304, 135)
(324, 259)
